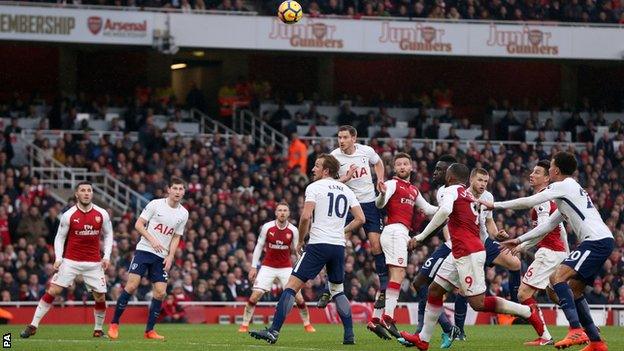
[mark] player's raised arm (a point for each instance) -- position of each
(552, 192)
(385, 194)
(59, 240)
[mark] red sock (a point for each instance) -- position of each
(489, 304)
(100, 305)
(529, 302)
(47, 298)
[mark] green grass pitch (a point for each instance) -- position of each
(226, 338)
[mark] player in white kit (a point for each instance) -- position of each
(77, 251)
(277, 238)
(161, 225)
(324, 215)
(583, 264)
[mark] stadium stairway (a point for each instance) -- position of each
(109, 192)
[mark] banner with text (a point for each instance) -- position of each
(399, 37)
(76, 26)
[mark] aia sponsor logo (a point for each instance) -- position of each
(415, 37)
(312, 34)
(522, 41)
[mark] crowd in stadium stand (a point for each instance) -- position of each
(597, 11)
(233, 189)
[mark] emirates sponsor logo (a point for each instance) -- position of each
(88, 230)
(278, 246)
(524, 41)
(415, 37)
(312, 34)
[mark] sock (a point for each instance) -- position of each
(99, 312)
(500, 305)
(382, 271)
(42, 308)
(250, 307)
(531, 302)
(285, 304)
(514, 285)
(122, 302)
(304, 313)
(586, 320)
(154, 311)
(444, 322)
(392, 297)
(344, 311)
(377, 312)
(566, 302)
(461, 308)
(422, 302)
(432, 314)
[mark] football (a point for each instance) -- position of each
(289, 12)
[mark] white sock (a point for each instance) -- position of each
(42, 308)
(509, 307)
(249, 311)
(432, 313)
(378, 312)
(305, 315)
(99, 318)
(392, 298)
(546, 335)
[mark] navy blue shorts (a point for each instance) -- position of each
(589, 257)
(374, 222)
(144, 261)
(315, 257)
(492, 250)
(433, 263)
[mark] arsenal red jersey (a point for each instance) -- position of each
(463, 223)
(277, 244)
(82, 230)
(541, 213)
(400, 206)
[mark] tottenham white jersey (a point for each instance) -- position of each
(484, 214)
(362, 181)
(574, 206)
(439, 197)
(163, 222)
(333, 200)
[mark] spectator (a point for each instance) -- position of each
(32, 226)
(298, 154)
(596, 297)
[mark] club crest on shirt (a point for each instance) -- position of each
(98, 219)
(288, 236)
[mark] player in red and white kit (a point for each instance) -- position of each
(277, 239)
(464, 269)
(77, 251)
(399, 197)
(552, 249)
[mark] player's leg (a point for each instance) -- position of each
(99, 313)
(461, 309)
(93, 275)
(394, 242)
(335, 274)
(433, 310)
(159, 291)
(304, 313)
(581, 266)
(138, 267)
(325, 295)
(250, 307)
(512, 263)
(396, 274)
(373, 228)
(584, 313)
(45, 303)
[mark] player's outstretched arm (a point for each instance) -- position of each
(59, 240)
(424, 205)
(524, 203)
(438, 220)
(541, 230)
(385, 194)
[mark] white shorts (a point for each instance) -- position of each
(466, 273)
(91, 272)
(546, 262)
(267, 275)
(394, 240)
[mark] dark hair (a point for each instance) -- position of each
(330, 163)
(566, 162)
(176, 180)
(349, 129)
(399, 155)
(545, 164)
(84, 182)
(447, 158)
(478, 170)
(459, 171)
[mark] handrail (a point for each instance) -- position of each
(208, 124)
(247, 123)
